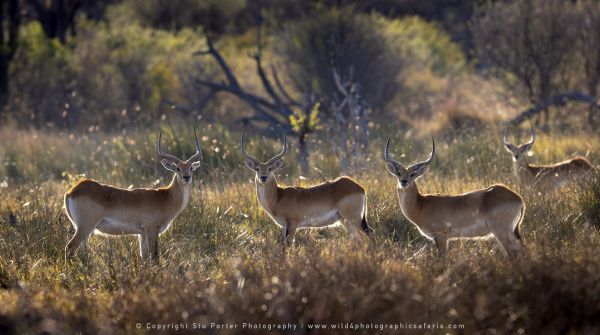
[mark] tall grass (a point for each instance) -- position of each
(220, 261)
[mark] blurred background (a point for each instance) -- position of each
(301, 68)
(109, 65)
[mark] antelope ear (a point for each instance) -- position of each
(250, 164)
(169, 165)
(510, 148)
(195, 165)
(421, 170)
(526, 147)
(276, 164)
(392, 169)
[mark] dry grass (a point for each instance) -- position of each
(220, 261)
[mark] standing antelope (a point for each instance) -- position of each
(544, 177)
(494, 211)
(321, 205)
(95, 207)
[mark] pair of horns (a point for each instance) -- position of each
(386, 154)
(163, 155)
(276, 157)
(532, 135)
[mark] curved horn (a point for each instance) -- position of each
(431, 156)
(198, 153)
(532, 133)
(242, 146)
(163, 155)
(386, 152)
(283, 151)
(505, 138)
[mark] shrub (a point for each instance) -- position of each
(430, 58)
(40, 77)
(329, 38)
(112, 75)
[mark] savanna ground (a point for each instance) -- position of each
(221, 263)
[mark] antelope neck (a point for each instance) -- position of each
(521, 169)
(267, 193)
(409, 198)
(177, 191)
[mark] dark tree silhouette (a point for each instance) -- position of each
(57, 17)
(9, 30)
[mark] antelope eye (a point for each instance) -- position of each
(178, 169)
(270, 169)
(256, 169)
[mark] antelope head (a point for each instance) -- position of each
(521, 150)
(183, 169)
(407, 176)
(264, 171)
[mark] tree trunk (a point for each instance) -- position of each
(592, 85)
(591, 117)
(303, 156)
(4, 61)
(9, 33)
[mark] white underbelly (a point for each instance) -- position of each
(113, 226)
(320, 219)
(477, 229)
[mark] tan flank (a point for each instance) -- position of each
(291, 208)
(494, 211)
(547, 178)
(95, 207)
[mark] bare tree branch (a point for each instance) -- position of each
(274, 109)
(281, 106)
(212, 51)
(555, 100)
(338, 82)
(282, 90)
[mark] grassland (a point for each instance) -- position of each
(220, 261)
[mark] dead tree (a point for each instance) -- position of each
(271, 113)
(10, 20)
(556, 100)
(350, 119)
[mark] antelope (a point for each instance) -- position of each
(544, 177)
(494, 211)
(93, 207)
(291, 208)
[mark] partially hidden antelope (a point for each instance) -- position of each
(494, 211)
(291, 208)
(95, 207)
(544, 177)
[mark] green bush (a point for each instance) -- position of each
(112, 75)
(140, 71)
(350, 42)
(41, 78)
(422, 44)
